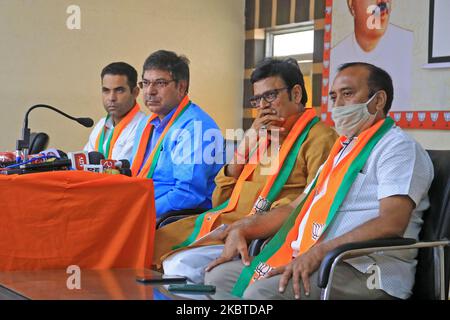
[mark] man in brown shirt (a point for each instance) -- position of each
(280, 98)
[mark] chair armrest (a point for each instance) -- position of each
(325, 266)
(173, 216)
(255, 247)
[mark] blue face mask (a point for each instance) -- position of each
(351, 120)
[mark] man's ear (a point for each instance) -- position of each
(297, 94)
(350, 7)
(380, 101)
(135, 92)
(182, 87)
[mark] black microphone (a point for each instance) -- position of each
(125, 171)
(62, 163)
(122, 164)
(87, 122)
(95, 157)
(96, 165)
(24, 143)
(117, 164)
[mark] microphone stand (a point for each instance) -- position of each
(23, 145)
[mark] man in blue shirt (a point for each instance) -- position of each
(179, 146)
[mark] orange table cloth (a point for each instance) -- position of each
(56, 219)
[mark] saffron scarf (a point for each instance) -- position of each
(278, 251)
(115, 134)
(275, 182)
(149, 166)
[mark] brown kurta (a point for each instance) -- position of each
(312, 155)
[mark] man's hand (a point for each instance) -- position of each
(235, 244)
(300, 269)
(268, 119)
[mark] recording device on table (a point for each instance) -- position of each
(53, 160)
(56, 160)
(176, 283)
(159, 279)
(192, 288)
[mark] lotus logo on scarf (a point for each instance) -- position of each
(317, 230)
(261, 271)
(262, 205)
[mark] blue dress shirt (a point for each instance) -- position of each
(191, 156)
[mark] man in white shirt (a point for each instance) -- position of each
(384, 197)
(378, 42)
(114, 134)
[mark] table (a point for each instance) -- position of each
(110, 284)
(52, 220)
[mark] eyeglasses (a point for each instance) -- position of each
(268, 96)
(158, 83)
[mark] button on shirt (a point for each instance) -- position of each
(123, 148)
(191, 156)
(397, 165)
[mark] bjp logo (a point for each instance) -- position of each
(262, 205)
(317, 230)
(261, 271)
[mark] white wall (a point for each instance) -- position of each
(41, 61)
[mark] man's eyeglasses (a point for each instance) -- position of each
(158, 83)
(268, 96)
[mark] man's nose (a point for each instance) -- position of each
(338, 102)
(112, 96)
(263, 104)
(151, 89)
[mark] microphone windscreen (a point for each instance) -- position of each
(125, 171)
(62, 154)
(124, 164)
(54, 153)
(7, 157)
(95, 157)
(87, 122)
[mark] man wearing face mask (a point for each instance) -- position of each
(252, 184)
(373, 185)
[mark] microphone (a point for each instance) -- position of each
(53, 153)
(125, 172)
(24, 143)
(98, 164)
(79, 159)
(6, 159)
(95, 157)
(49, 165)
(94, 165)
(87, 122)
(53, 160)
(49, 160)
(111, 164)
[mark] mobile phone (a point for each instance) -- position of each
(160, 279)
(192, 288)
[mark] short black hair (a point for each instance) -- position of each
(286, 69)
(177, 66)
(122, 69)
(378, 80)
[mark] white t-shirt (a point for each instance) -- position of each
(123, 147)
(397, 165)
(393, 54)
